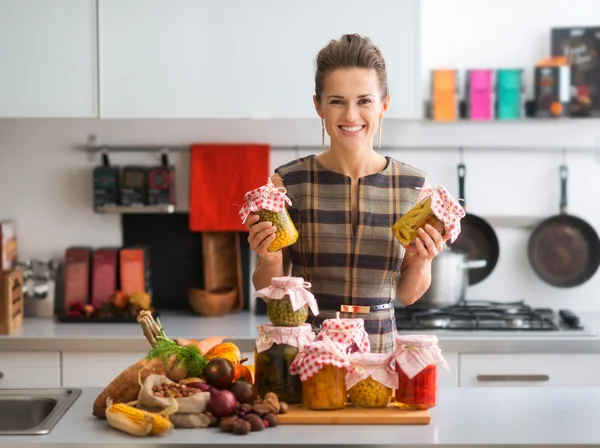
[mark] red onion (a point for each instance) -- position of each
(222, 403)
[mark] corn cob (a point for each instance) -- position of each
(137, 422)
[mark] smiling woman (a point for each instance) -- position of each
(345, 201)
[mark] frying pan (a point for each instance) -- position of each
(564, 250)
(477, 237)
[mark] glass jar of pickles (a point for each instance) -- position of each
(350, 334)
(371, 383)
(322, 368)
(416, 358)
(269, 202)
(438, 209)
(276, 349)
(288, 301)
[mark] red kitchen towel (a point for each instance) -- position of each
(220, 176)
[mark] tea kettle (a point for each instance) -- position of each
(449, 278)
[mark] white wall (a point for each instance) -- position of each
(45, 182)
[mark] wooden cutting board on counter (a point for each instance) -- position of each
(391, 415)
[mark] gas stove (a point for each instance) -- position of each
(475, 315)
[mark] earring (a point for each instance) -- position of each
(322, 135)
(379, 133)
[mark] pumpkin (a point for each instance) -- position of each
(242, 372)
(227, 350)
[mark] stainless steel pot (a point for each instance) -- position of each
(449, 278)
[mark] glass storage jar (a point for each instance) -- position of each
(438, 209)
(276, 349)
(371, 383)
(322, 367)
(269, 202)
(288, 301)
(416, 359)
(350, 334)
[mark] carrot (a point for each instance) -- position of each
(126, 387)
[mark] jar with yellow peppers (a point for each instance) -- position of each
(416, 358)
(288, 301)
(438, 209)
(276, 349)
(349, 333)
(269, 202)
(371, 383)
(322, 367)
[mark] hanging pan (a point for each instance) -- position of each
(477, 237)
(564, 250)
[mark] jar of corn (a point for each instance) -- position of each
(288, 301)
(438, 209)
(350, 334)
(322, 367)
(269, 202)
(371, 383)
(416, 358)
(276, 349)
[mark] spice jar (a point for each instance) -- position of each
(288, 301)
(269, 202)
(322, 367)
(276, 349)
(371, 383)
(350, 334)
(438, 209)
(416, 359)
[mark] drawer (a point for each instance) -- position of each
(529, 370)
(29, 369)
(95, 369)
(449, 378)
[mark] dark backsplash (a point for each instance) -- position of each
(175, 256)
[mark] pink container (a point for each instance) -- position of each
(480, 94)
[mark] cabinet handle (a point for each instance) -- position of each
(531, 378)
(1, 375)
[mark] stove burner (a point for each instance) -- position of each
(481, 315)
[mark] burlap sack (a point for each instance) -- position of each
(194, 404)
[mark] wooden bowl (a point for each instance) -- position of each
(215, 302)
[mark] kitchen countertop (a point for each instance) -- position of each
(471, 417)
(38, 334)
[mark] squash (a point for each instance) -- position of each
(227, 350)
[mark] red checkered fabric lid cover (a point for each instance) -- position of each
(349, 333)
(268, 197)
(415, 352)
(315, 356)
(446, 208)
(378, 366)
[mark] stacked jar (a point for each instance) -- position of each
(278, 344)
(349, 334)
(372, 380)
(416, 358)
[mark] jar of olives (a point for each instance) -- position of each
(288, 301)
(350, 334)
(438, 209)
(276, 349)
(322, 368)
(371, 383)
(416, 358)
(269, 202)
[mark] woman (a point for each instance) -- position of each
(345, 201)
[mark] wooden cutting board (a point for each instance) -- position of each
(391, 415)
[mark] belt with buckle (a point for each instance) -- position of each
(357, 309)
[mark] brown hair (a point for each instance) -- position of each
(351, 50)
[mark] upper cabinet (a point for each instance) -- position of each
(47, 58)
(240, 58)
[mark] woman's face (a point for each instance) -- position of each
(351, 106)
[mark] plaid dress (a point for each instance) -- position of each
(345, 267)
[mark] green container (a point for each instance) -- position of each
(510, 103)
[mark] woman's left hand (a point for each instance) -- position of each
(430, 242)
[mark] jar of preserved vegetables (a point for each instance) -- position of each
(276, 349)
(322, 367)
(416, 358)
(269, 202)
(438, 209)
(371, 383)
(350, 334)
(288, 301)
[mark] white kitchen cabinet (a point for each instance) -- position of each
(449, 378)
(95, 369)
(529, 370)
(48, 58)
(242, 59)
(29, 369)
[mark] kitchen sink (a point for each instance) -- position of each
(33, 411)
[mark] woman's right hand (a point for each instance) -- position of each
(262, 234)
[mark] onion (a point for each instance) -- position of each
(222, 403)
